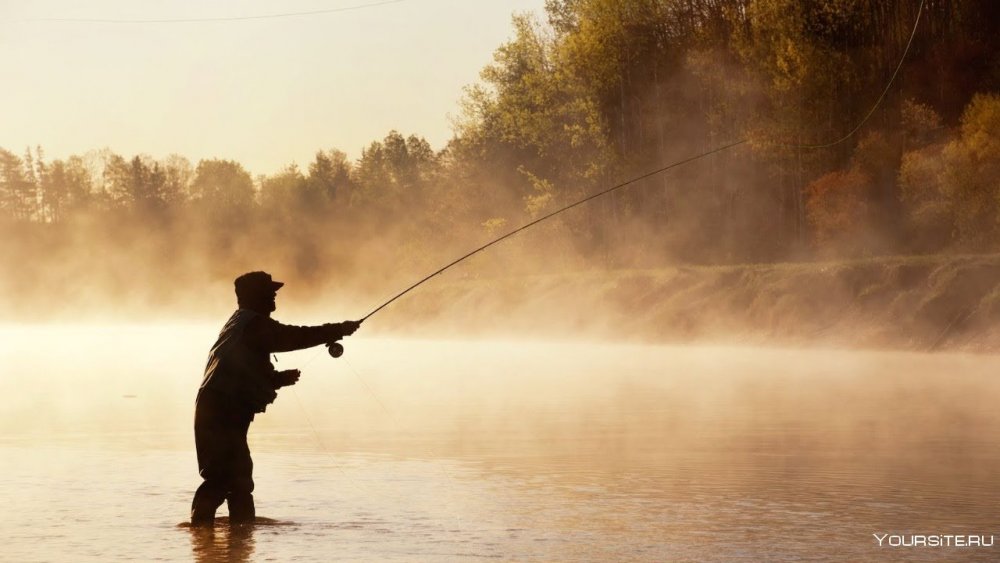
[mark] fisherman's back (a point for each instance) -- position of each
(237, 371)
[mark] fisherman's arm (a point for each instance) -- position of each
(272, 336)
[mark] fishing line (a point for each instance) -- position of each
(319, 440)
(369, 389)
(429, 453)
(881, 97)
(322, 447)
(626, 183)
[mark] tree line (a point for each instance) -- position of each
(587, 94)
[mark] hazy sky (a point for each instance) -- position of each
(265, 92)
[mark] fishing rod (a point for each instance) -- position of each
(336, 350)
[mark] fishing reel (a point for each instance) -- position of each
(335, 349)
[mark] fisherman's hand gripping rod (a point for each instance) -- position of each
(347, 328)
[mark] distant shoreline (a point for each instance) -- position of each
(909, 302)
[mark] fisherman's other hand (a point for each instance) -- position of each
(287, 377)
(350, 327)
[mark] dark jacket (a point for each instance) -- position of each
(239, 368)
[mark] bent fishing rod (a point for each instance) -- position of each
(660, 170)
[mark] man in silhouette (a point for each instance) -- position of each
(239, 382)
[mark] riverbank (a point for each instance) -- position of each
(914, 303)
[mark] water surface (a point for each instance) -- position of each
(453, 450)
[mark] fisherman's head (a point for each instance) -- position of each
(257, 291)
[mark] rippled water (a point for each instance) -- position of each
(450, 450)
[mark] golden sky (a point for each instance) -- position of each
(265, 92)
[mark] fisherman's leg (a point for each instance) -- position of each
(240, 499)
(207, 499)
(213, 441)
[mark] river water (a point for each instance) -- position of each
(421, 450)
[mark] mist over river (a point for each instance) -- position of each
(427, 450)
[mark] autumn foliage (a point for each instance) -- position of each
(837, 209)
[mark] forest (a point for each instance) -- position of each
(589, 94)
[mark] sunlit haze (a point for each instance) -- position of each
(560, 280)
(264, 92)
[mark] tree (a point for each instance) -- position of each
(138, 185)
(223, 190)
(178, 176)
(284, 194)
(18, 194)
(393, 173)
(837, 209)
(330, 175)
(533, 134)
(55, 188)
(972, 173)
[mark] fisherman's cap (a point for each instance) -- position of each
(255, 283)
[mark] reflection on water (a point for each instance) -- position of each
(222, 543)
(508, 450)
